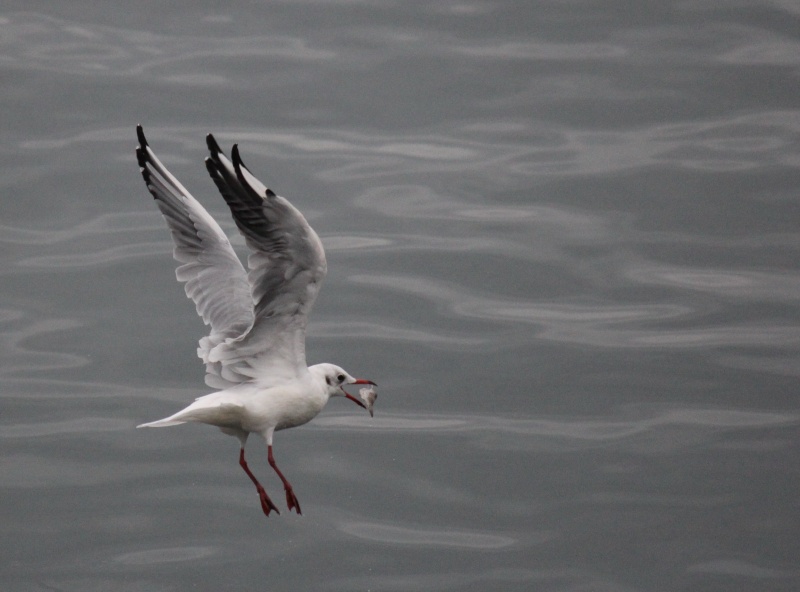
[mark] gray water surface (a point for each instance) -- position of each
(562, 237)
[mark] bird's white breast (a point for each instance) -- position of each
(284, 406)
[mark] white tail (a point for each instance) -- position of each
(161, 423)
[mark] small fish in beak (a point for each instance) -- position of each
(368, 395)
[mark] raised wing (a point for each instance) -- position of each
(287, 266)
(215, 279)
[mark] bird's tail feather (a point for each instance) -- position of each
(209, 409)
(161, 423)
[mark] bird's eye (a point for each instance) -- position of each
(340, 378)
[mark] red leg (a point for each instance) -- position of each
(266, 503)
(291, 499)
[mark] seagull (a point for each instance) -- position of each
(255, 353)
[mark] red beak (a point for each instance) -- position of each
(354, 400)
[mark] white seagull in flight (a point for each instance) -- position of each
(255, 354)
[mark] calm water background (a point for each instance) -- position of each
(563, 237)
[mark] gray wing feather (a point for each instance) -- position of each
(287, 266)
(214, 276)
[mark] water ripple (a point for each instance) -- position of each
(774, 52)
(35, 41)
(645, 432)
(166, 555)
(110, 256)
(386, 533)
(81, 425)
(542, 50)
(103, 224)
(784, 365)
(489, 159)
(17, 328)
(35, 471)
(501, 578)
(736, 567)
(394, 333)
(730, 283)
(611, 325)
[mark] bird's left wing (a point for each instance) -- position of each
(287, 265)
(215, 278)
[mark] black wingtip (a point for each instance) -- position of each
(211, 167)
(140, 135)
(238, 165)
(212, 144)
(141, 157)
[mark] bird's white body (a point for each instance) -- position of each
(255, 352)
(251, 408)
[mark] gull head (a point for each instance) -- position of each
(335, 379)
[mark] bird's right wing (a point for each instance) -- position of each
(287, 266)
(215, 279)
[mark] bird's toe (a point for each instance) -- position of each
(291, 501)
(266, 504)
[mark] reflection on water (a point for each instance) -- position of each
(562, 240)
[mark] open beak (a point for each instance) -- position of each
(351, 397)
(354, 400)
